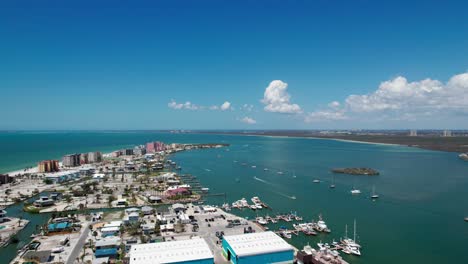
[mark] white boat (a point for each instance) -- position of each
(258, 206)
(253, 166)
(265, 169)
(243, 202)
(205, 190)
(255, 199)
(332, 185)
(294, 174)
(285, 234)
(355, 191)
(253, 207)
(351, 245)
(374, 195)
(280, 172)
(322, 226)
(293, 197)
(316, 181)
(261, 220)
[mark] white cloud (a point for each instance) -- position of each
(423, 97)
(225, 106)
(248, 120)
(214, 107)
(277, 100)
(400, 100)
(187, 105)
(247, 107)
(325, 115)
(334, 104)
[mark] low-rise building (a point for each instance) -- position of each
(194, 250)
(44, 201)
(264, 247)
(63, 176)
(110, 231)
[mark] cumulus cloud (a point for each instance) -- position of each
(248, 120)
(414, 98)
(225, 106)
(401, 100)
(277, 99)
(187, 105)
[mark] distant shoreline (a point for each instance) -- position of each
(458, 144)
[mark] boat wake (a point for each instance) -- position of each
(277, 192)
(261, 180)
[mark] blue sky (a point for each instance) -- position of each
(277, 64)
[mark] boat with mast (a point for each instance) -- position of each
(332, 185)
(350, 245)
(374, 195)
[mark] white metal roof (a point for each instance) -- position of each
(170, 252)
(257, 243)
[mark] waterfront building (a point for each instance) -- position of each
(194, 250)
(84, 158)
(48, 166)
(152, 147)
(71, 160)
(139, 150)
(264, 247)
(94, 157)
(5, 178)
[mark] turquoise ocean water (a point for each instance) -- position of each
(418, 218)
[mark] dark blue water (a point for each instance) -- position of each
(418, 218)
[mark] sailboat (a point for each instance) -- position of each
(332, 185)
(374, 195)
(294, 174)
(355, 191)
(351, 246)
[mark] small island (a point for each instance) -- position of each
(356, 171)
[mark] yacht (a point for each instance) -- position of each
(355, 191)
(321, 226)
(294, 174)
(253, 166)
(332, 185)
(280, 172)
(253, 207)
(258, 206)
(293, 197)
(316, 181)
(265, 169)
(466, 219)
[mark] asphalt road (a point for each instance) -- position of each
(79, 246)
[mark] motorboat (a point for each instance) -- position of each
(280, 173)
(316, 181)
(253, 207)
(261, 220)
(258, 206)
(355, 191)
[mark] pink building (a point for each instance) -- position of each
(152, 147)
